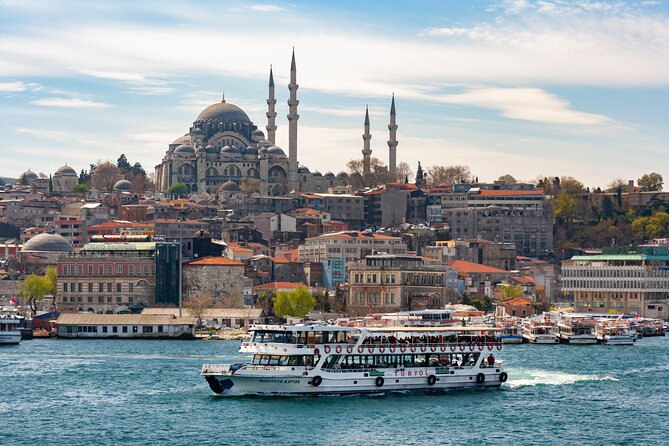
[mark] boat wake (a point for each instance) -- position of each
(530, 377)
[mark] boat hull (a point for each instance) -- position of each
(618, 340)
(542, 339)
(10, 337)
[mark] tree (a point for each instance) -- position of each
(512, 291)
(80, 188)
(420, 176)
(651, 182)
(449, 174)
(105, 176)
(507, 179)
(296, 303)
(403, 171)
(378, 173)
(616, 184)
(35, 287)
(250, 186)
(654, 226)
(197, 305)
(177, 189)
(570, 185)
(139, 184)
(123, 164)
(137, 169)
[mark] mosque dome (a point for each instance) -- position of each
(223, 112)
(28, 177)
(47, 243)
(342, 174)
(185, 149)
(274, 150)
(211, 149)
(250, 150)
(229, 186)
(303, 169)
(257, 133)
(329, 175)
(65, 171)
(122, 186)
(317, 174)
(197, 132)
(181, 140)
(230, 150)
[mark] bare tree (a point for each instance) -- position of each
(449, 174)
(105, 176)
(197, 305)
(615, 184)
(507, 179)
(378, 173)
(250, 186)
(404, 171)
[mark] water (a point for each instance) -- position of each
(150, 392)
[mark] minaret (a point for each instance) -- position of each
(366, 151)
(271, 113)
(292, 126)
(392, 142)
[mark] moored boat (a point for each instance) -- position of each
(540, 333)
(573, 330)
(9, 330)
(615, 334)
(511, 334)
(329, 360)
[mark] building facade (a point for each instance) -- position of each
(350, 246)
(220, 277)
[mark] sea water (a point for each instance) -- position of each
(151, 393)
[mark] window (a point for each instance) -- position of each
(65, 287)
(104, 329)
(119, 269)
(131, 270)
(147, 329)
(110, 270)
(118, 287)
(118, 299)
(80, 270)
(90, 270)
(90, 287)
(125, 329)
(109, 287)
(101, 270)
(131, 287)
(146, 270)
(80, 287)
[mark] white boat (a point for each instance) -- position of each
(540, 333)
(511, 334)
(576, 331)
(9, 330)
(615, 335)
(331, 360)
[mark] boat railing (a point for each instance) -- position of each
(451, 347)
(215, 369)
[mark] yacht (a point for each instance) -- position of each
(9, 330)
(322, 359)
(540, 333)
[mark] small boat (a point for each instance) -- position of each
(540, 332)
(322, 359)
(9, 330)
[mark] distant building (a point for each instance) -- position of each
(620, 280)
(168, 280)
(82, 325)
(334, 272)
(479, 280)
(350, 246)
(221, 277)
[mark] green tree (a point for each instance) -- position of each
(81, 188)
(654, 226)
(296, 303)
(177, 189)
(35, 287)
(123, 164)
(651, 182)
(512, 291)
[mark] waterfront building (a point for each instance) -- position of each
(389, 283)
(225, 317)
(334, 272)
(350, 246)
(621, 280)
(183, 231)
(143, 326)
(479, 280)
(106, 277)
(220, 277)
(347, 208)
(168, 279)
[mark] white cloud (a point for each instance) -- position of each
(350, 112)
(138, 82)
(54, 135)
(267, 8)
(18, 87)
(70, 103)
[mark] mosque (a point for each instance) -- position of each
(224, 152)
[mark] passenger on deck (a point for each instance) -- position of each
(491, 360)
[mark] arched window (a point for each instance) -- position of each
(232, 171)
(186, 169)
(211, 172)
(252, 173)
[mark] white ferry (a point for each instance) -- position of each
(540, 333)
(576, 331)
(9, 330)
(329, 359)
(511, 334)
(615, 334)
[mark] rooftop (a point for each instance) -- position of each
(463, 266)
(214, 261)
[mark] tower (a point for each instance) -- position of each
(366, 151)
(292, 126)
(392, 142)
(271, 112)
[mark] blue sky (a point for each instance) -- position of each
(545, 87)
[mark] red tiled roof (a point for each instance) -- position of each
(517, 301)
(216, 261)
(463, 266)
(279, 286)
(498, 193)
(525, 280)
(280, 260)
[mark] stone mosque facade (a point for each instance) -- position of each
(223, 148)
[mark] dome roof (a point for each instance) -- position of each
(317, 174)
(65, 171)
(122, 185)
(342, 174)
(183, 148)
(258, 132)
(229, 186)
(28, 177)
(303, 169)
(211, 149)
(181, 140)
(274, 150)
(250, 151)
(47, 243)
(329, 175)
(223, 112)
(228, 149)
(197, 131)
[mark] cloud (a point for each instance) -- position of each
(267, 8)
(70, 103)
(54, 135)
(18, 87)
(351, 112)
(138, 82)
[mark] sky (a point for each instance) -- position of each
(523, 87)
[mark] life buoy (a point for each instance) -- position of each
(423, 348)
(480, 378)
(433, 348)
(481, 346)
(316, 381)
(472, 347)
(443, 348)
(431, 380)
(317, 351)
(379, 381)
(490, 346)
(349, 349)
(382, 348)
(452, 347)
(462, 347)
(361, 349)
(338, 349)
(413, 347)
(326, 349)
(403, 348)
(392, 349)
(370, 349)
(503, 377)
(499, 346)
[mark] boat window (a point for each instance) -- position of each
(256, 359)
(284, 360)
(264, 360)
(302, 337)
(273, 360)
(311, 337)
(320, 337)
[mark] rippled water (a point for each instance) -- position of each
(150, 392)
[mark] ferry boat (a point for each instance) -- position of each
(576, 331)
(9, 330)
(511, 334)
(615, 334)
(540, 333)
(323, 359)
